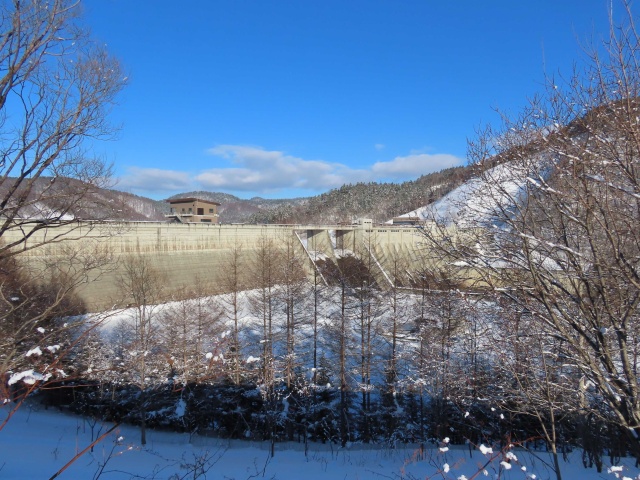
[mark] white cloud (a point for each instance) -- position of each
(414, 165)
(379, 146)
(154, 180)
(257, 169)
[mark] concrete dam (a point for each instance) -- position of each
(200, 254)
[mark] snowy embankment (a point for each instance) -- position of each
(37, 444)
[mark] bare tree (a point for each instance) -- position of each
(366, 327)
(557, 227)
(192, 333)
(341, 332)
(142, 285)
(441, 325)
(544, 385)
(291, 291)
(317, 290)
(232, 282)
(265, 270)
(397, 301)
(56, 88)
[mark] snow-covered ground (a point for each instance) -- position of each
(36, 444)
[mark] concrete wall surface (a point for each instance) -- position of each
(190, 255)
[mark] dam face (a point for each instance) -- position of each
(200, 256)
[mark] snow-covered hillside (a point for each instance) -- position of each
(480, 200)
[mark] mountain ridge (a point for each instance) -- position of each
(379, 201)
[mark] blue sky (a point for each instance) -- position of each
(292, 98)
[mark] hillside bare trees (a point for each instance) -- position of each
(191, 331)
(556, 228)
(56, 89)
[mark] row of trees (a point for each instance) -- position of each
(342, 363)
(286, 333)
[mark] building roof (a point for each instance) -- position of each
(405, 220)
(191, 199)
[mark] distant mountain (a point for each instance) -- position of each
(63, 198)
(140, 208)
(219, 197)
(379, 201)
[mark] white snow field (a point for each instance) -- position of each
(37, 443)
(477, 201)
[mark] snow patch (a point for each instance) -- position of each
(181, 408)
(28, 376)
(485, 450)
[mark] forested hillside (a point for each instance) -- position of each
(379, 201)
